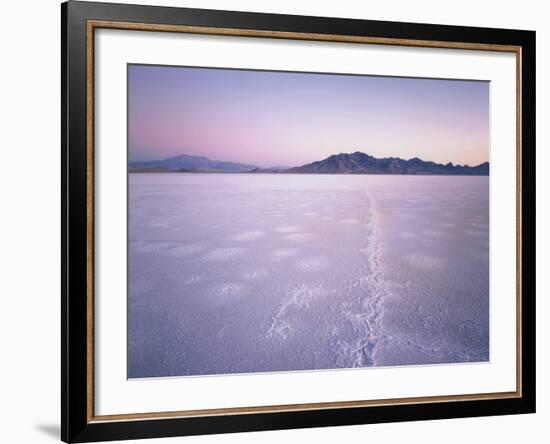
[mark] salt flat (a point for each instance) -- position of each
(239, 273)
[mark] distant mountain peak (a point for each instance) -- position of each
(362, 163)
(189, 163)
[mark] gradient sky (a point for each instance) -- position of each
(270, 118)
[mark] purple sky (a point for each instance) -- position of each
(287, 119)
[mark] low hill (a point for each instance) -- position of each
(187, 163)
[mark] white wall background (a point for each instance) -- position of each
(30, 203)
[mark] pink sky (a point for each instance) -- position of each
(271, 118)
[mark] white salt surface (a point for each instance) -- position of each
(239, 273)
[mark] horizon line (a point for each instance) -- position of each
(307, 163)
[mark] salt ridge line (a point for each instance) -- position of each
(366, 320)
(374, 306)
(300, 297)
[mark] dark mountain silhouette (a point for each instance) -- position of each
(361, 163)
(186, 163)
(354, 163)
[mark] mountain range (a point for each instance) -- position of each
(186, 163)
(343, 163)
(361, 163)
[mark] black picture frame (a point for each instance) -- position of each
(76, 326)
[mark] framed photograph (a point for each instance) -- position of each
(275, 221)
